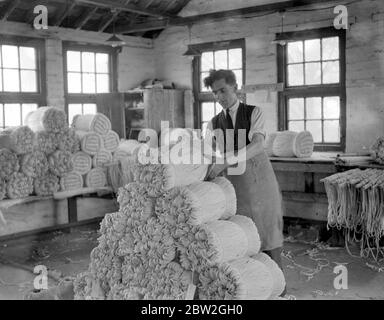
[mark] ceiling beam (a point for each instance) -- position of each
(106, 22)
(63, 15)
(127, 8)
(217, 16)
(12, 4)
(85, 17)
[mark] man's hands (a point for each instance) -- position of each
(214, 170)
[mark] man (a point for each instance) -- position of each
(257, 191)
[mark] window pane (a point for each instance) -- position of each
(102, 63)
(314, 127)
(313, 73)
(221, 59)
(89, 83)
(89, 108)
(235, 59)
(313, 108)
(330, 48)
(239, 77)
(73, 61)
(296, 109)
(331, 72)
(1, 116)
(296, 126)
(27, 108)
(332, 131)
(312, 50)
(1, 80)
(0, 58)
(27, 58)
(11, 80)
(207, 61)
(74, 109)
(102, 83)
(218, 108)
(10, 57)
(74, 82)
(28, 81)
(207, 111)
(12, 114)
(295, 75)
(331, 108)
(204, 126)
(87, 62)
(295, 52)
(203, 76)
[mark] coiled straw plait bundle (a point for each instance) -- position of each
(97, 123)
(101, 159)
(269, 144)
(125, 149)
(293, 144)
(71, 181)
(19, 186)
(250, 230)
(276, 272)
(34, 164)
(111, 141)
(242, 279)
(46, 119)
(95, 178)
(60, 163)
(47, 185)
(230, 196)
(20, 139)
(90, 142)
(46, 142)
(81, 162)
(9, 163)
(68, 141)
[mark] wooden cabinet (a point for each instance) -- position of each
(134, 110)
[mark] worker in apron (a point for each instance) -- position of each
(257, 191)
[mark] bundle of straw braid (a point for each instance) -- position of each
(34, 164)
(293, 144)
(9, 163)
(3, 189)
(81, 162)
(121, 172)
(19, 186)
(46, 142)
(111, 141)
(20, 139)
(48, 119)
(269, 144)
(250, 230)
(47, 185)
(126, 149)
(230, 196)
(90, 142)
(95, 178)
(97, 123)
(60, 163)
(101, 159)
(356, 202)
(68, 141)
(71, 181)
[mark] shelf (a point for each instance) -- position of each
(135, 109)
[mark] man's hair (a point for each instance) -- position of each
(214, 75)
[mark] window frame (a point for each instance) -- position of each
(321, 90)
(39, 97)
(201, 97)
(89, 98)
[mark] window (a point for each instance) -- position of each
(88, 71)
(219, 55)
(22, 79)
(312, 68)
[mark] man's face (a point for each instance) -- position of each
(224, 93)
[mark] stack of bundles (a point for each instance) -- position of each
(68, 141)
(19, 139)
(151, 248)
(378, 150)
(355, 202)
(290, 144)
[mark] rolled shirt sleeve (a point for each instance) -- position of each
(257, 123)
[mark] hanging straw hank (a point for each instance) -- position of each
(95, 178)
(98, 123)
(49, 119)
(82, 162)
(9, 163)
(101, 159)
(68, 141)
(90, 142)
(277, 274)
(250, 230)
(60, 163)
(19, 140)
(46, 142)
(230, 196)
(71, 181)
(111, 141)
(19, 186)
(47, 185)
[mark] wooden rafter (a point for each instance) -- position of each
(63, 15)
(85, 17)
(12, 4)
(106, 22)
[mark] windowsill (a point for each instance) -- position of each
(317, 157)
